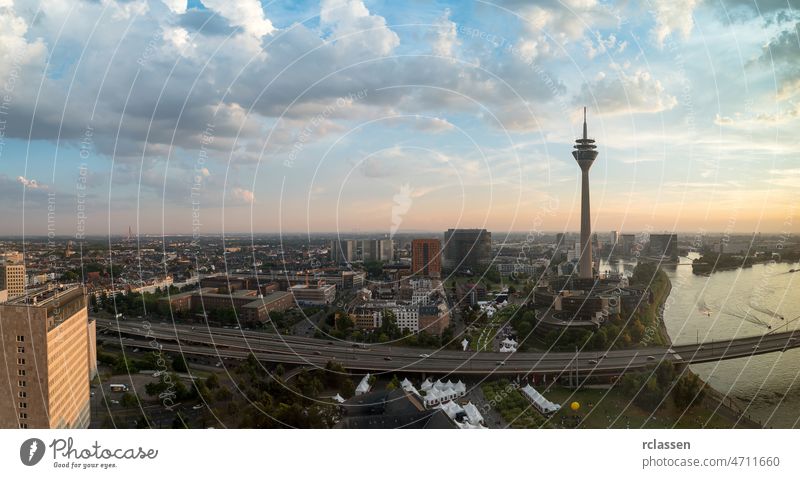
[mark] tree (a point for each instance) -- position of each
(129, 400)
(179, 364)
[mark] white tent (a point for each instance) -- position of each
(542, 404)
(433, 397)
(465, 344)
(452, 409)
(473, 415)
(363, 386)
(460, 388)
(337, 398)
(426, 385)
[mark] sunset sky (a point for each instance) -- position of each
(362, 116)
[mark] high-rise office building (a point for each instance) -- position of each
(426, 257)
(585, 153)
(664, 245)
(628, 243)
(386, 250)
(50, 358)
(467, 248)
(344, 251)
(12, 279)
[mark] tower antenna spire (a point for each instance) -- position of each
(585, 135)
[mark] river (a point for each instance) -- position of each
(742, 302)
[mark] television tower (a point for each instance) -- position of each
(585, 153)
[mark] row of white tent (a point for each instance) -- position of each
(542, 404)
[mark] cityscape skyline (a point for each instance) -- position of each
(450, 117)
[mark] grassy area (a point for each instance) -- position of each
(515, 409)
(613, 409)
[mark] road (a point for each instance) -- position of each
(222, 343)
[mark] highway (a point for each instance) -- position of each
(221, 343)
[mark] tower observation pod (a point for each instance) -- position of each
(585, 153)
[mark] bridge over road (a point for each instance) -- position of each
(221, 343)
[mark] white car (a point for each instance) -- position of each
(424, 355)
(198, 406)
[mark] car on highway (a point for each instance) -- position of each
(387, 358)
(501, 362)
(198, 406)
(650, 358)
(317, 352)
(424, 355)
(593, 362)
(755, 347)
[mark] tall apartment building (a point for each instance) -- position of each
(12, 278)
(49, 360)
(426, 257)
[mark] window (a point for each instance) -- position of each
(20, 361)
(23, 416)
(22, 394)
(20, 350)
(23, 425)
(21, 373)
(20, 338)
(23, 404)
(22, 383)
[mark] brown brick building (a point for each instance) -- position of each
(426, 257)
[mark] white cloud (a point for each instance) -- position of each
(176, 6)
(445, 36)
(673, 16)
(355, 30)
(637, 92)
(242, 196)
(246, 14)
(30, 183)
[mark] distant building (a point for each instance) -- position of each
(344, 251)
(259, 309)
(467, 248)
(12, 279)
(50, 357)
(426, 257)
(628, 244)
(314, 294)
(664, 245)
(386, 250)
(614, 238)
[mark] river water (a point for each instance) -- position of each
(742, 302)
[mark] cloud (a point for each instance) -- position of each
(637, 92)
(673, 16)
(242, 196)
(604, 45)
(445, 36)
(30, 183)
(176, 6)
(246, 14)
(355, 30)
(782, 56)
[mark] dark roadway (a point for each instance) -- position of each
(238, 344)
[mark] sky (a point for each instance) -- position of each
(356, 116)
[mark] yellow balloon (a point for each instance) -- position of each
(575, 406)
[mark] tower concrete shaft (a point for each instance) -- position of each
(585, 153)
